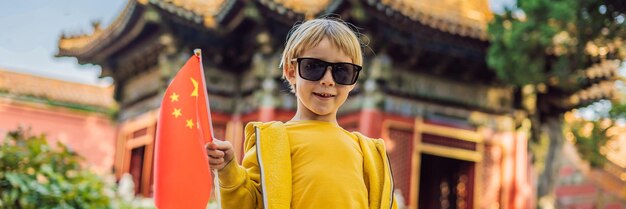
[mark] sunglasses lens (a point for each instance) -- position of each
(344, 74)
(311, 69)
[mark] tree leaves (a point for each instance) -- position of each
(590, 138)
(540, 39)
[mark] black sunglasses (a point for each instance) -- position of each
(314, 69)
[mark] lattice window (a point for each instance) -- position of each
(400, 148)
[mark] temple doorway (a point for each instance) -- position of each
(446, 183)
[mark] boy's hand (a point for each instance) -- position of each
(220, 153)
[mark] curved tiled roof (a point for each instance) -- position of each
(305, 7)
(206, 13)
(461, 17)
(610, 177)
(18, 84)
(616, 154)
(71, 45)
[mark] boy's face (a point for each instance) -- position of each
(319, 100)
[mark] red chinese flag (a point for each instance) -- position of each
(182, 174)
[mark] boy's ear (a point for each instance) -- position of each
(289, 71)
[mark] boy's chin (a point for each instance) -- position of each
(322, 112)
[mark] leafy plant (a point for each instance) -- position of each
(34, 174)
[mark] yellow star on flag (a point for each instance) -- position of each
(174, 97)
(177, 112)
(195, 88)
(189, 123)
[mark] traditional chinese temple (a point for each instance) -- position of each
(454, 134)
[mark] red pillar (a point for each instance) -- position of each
(370, 123)
(522, 183)
(267, 114)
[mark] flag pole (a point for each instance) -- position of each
(216, 182)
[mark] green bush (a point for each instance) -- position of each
(34, 174)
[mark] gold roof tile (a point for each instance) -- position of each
(462, 17)
(29, 85)
(206, 9)
(306, 7)
(76, 42)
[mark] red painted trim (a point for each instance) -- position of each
(399, 118)
(575, 190)
(251, 116)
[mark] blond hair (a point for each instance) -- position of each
(310, 33)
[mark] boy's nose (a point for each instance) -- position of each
(328, 77)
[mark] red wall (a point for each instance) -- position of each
(89, 134)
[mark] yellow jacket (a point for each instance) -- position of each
(264, 178)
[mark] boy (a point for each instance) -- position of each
(309, 161)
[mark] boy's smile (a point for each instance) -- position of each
(324, 96)
(320, 100)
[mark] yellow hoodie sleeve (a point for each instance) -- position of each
(388, 198)
(377, 173)
(240, 185)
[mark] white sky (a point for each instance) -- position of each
(30, 30)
